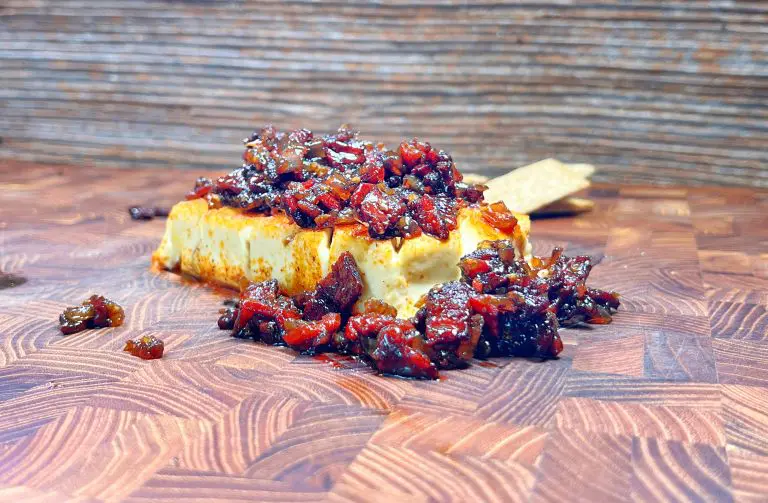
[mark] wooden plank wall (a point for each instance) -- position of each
(669, 92)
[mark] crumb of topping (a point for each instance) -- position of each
(147, 212)
(96, 312)
(147, 347)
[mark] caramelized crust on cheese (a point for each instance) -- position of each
(227, 245)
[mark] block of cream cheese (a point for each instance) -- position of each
(227, 246)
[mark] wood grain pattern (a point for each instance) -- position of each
(673, 91)
(592, 467)
(666, 403)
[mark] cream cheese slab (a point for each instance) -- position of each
(227, 246)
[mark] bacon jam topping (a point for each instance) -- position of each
(502, 306)
(557, 280)
(96, 312)
(339, 179)
(147, 212)
(147, 347)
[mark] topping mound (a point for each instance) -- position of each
(324, 181)
(500, 307)
(557, 280)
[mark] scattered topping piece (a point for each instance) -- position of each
(321, 182)
(233, 302)
(360, 333)
(446, 321)
(377, 306)
(400, 350)
(147, 213)
(335, 293)
(435, 215)
(227, 318)
(516, 326)
(8, 280)
(311, 336)
(147, 347)
(202, 188)
(261, 313)
(96, 312)
(499, 217)
(502, 306)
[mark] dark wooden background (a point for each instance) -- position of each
(673, 91)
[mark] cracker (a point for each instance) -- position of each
(537, 185)
(565, 206)
(585, 170)
(474, 178)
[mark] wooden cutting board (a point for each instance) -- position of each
(670, 402)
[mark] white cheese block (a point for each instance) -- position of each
(228, 246)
